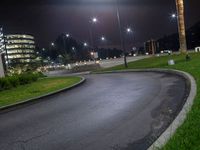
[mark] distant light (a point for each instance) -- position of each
(73, 48)
(94, 20)
(43, 49)
(173, 16)
(92, 53)
(103, 38)
(52, 44)
(134, 48)
(129, 30)
(67, 35)
(85, 44)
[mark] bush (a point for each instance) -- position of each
(27, 78)
(4, 84)
(16, 80)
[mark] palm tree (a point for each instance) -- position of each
(181, 25)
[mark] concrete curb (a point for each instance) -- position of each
(8, 107)
(180, 118)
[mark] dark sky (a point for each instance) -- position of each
(46, 19)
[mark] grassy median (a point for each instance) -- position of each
(35, 89)
(187, 136)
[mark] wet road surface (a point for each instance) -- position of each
(119, 111)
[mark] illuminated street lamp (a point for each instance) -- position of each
(94, 20)
(67, 35)
(85, 44)
(73, 48)
(128, 30)
(103, 38)
(174, 16)
(92, 53)
(52, 44)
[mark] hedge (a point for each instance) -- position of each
(16, 80)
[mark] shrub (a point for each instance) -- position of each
(16, 80)
(4, 84)
(27, 78)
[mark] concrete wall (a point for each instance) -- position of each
(1, 67)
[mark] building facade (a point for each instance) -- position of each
(19, 49)
(151, 47)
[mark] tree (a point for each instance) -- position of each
(181, 25)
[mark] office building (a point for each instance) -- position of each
(20, 49)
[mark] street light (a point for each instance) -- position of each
(128, 30)
(52, 44)
(103, 38)
(73, 48)
(94, 20)
(174, 16)
(121, 34)
(67, 35)
(85, 44)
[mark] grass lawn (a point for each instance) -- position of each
(187, 136)
(38, 88)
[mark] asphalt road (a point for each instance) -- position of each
(108, 112)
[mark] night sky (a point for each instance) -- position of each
(46, 19)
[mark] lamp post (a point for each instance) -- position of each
(181, 25)
(121, 34)
(93, 21)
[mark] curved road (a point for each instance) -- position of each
(110, 111)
